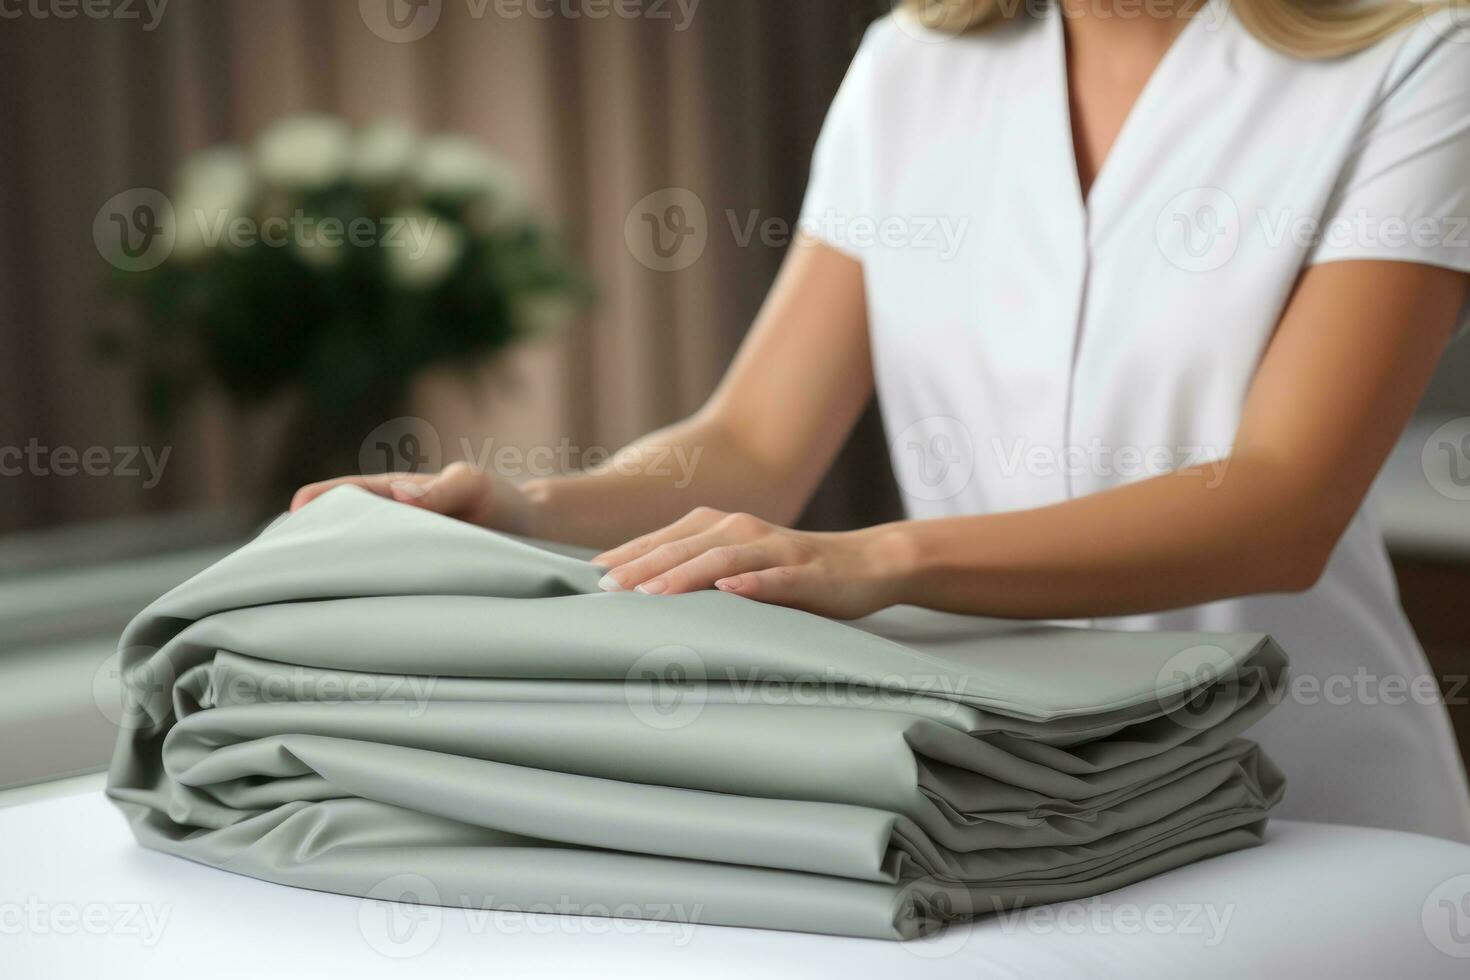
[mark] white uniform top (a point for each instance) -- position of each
(1030, 348)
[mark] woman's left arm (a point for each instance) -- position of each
(1336, 387)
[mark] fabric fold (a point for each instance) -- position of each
(368, 691)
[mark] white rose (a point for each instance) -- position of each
(383, 151)
(304, 152)
(457, 167)
(213, 188)
(423, 250)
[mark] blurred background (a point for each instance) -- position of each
(251, 243)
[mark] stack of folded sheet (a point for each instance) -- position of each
(368, 691)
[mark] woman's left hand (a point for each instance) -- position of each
(844, 575)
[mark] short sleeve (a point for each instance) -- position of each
(1404, 194)
(836, 192)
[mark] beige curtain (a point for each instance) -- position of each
(596, 113)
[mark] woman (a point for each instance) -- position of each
(1204, 264)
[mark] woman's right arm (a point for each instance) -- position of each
(760, 444)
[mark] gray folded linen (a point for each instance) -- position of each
(368, 691)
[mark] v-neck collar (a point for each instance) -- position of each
(1138, 118)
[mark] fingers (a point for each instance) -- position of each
(457, 491)
(710, 565)
(784, 585)
(380, 484)
(741, 555)
(728, 529)
(697, 520)
(669, 555)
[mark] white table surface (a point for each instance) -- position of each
(79, 898)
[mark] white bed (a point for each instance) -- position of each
(79, 898)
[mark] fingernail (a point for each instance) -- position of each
(653, 588)
(405, 492)
(728, 584)
(609, 584)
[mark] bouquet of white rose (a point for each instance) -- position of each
(334, 264)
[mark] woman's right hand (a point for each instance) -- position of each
(459, 491)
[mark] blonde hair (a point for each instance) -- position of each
(1315, 29)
